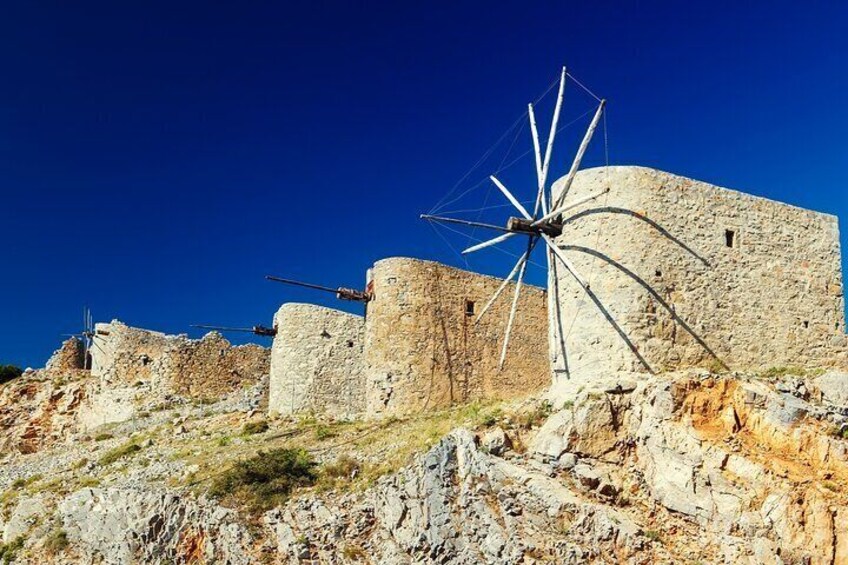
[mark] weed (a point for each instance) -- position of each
(224, 441)
(88, 482)
(653, 535)
(353, 552)
(119, 452)
(265, 480)
(103, 436)
(80, 464)
(322, 432)
(536, 416)
(568, 405)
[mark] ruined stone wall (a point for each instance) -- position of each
(316, 362)
(695, 275)
(204, 368)
(423, 350)
(69, 357)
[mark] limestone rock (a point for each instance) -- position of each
(496, 441)
(125, 525)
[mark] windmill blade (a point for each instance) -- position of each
(511, 198)
(561, 209)
(575, 165)
(564, 260)
(518, 265)
(537, 151)
(554, 121)
(515, 296)
(489, 242)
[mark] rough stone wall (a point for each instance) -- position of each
(695, 274)
(317, 362)
(204, 368)
(69, 357)
(424, 352)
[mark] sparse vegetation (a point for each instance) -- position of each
(120, 452)
(103, 436)
(9, 372)
(265, 480)
(536, 416)
(339, 473)
(88, 482)
(257, 427)
(778, 372)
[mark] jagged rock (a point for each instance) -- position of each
(496, 441)
(833, 387)
(458, 504)
(23, 517)
(125, 525)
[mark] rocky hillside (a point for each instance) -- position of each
(679, 468)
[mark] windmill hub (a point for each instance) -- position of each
(522, 225)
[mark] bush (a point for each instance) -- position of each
(9, 551)
(119, 453)
(266, 480)
(251, 428)
(9, 372)
(56, 541)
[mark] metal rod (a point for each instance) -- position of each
(463, 222)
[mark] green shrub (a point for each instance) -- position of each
(323, 431)
(265, 480)
(120, 452)
(103, 436)
(257, 427)
(9, 372)
(56, 541)
(9, 551)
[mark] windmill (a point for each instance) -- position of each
(542, 225)
(86, 336)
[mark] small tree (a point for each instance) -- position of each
(9, 372)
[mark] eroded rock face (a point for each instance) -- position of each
(458, 504)
(753, 470)
(124, 525)
(37, 410)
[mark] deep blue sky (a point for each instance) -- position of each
(158, 159)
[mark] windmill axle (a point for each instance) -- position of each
(521, 225)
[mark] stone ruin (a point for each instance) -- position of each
(417, 348)
(197, 368)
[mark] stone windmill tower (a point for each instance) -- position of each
(543, 225)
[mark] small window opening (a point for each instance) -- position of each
(658, 273)
(325, 333)
(806, 323)
(350, 343)
(469, 307)
(729, 236)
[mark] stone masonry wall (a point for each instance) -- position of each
(316, 362)
(695, 275)
(204, 368)
(423, 351)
